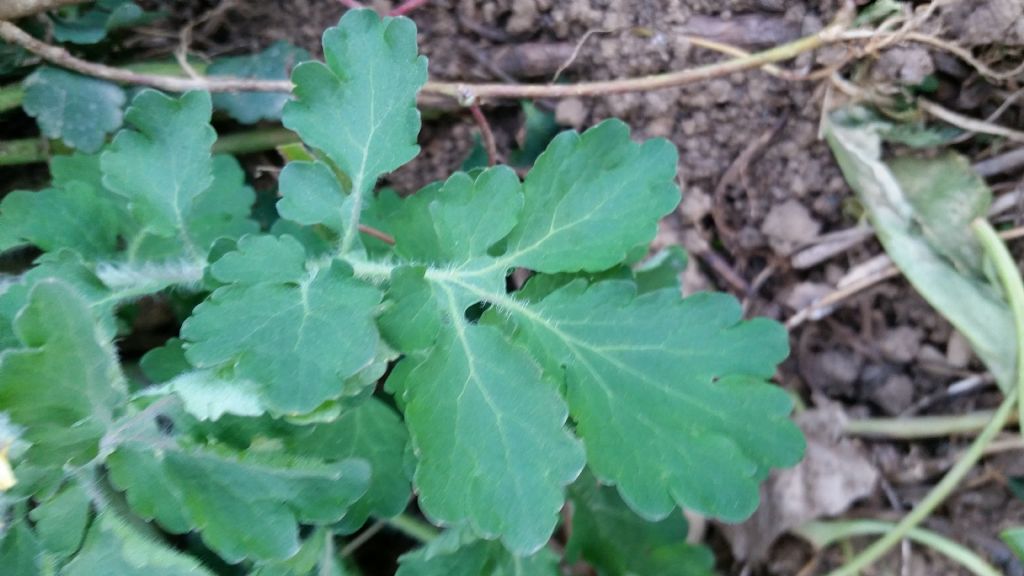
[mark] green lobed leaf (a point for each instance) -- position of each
(297, 333)
(370, 431)
(207, 396)
(88, 26)
(668, 394)
(359, 107)
(313, 555)
(478, 410)
(274, 63)
(20, 551)
(459, 553)
(61, 521)
(243, 506)
(460, 219)
(411, 319)
(79, 110)
(113, 547)
(614, 540)
(165, 163)
(539, 127)
(64, 386)
(312, 195)
(75, 216)
(64, 266)
(581, 208)
(686, 372)
(662, 270)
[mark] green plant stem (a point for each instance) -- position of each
(10, 97)
(32, 151)
(920, 427)
(256, 140)
(24, 151)
(822, 534)
(412, 527)
(937, 495)
(1009, 275)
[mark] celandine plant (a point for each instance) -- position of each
(265, 436)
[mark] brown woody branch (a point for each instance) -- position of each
(14, 9)
(464, 92)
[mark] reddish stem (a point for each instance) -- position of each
(485, 131)
(406, 7)
(379, 235)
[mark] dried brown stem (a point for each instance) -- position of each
(59, 56)
(465, 92)
(14, 9)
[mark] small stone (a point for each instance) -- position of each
(901, 344)
(662, 126)
(906, 65)
(720, 91)
(930, 355)
(834, 372)
(958, 350)
(524, 17)
(571, 112)
(806, 293)
(696, 205)
(789, 225)
(895, 395)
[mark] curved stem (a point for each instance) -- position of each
(1008, 274)
(464, 92)
(11, 97)
(412, 527)
(937, 495)
(920, 426)
(821, 534)
(14, 9)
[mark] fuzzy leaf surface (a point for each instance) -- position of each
(359, 107)
(76, 216)
(61, 521)
(613, 539)
(461, 219)
(297, 333)
(113, 547)
(459, 553)
(165, 162)
(668, 394)
(243, 506)
(65, 384)
(274, 63)
(79, 110)
(370, 431)
(479, 411)
(592, 198)
(312, 195)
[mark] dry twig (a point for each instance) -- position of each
(464, 92)
(14, 9)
